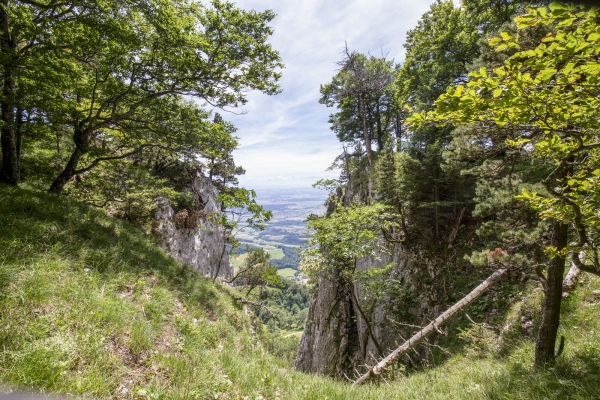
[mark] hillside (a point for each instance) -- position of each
(92, 307)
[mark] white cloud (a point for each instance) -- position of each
(286, 138)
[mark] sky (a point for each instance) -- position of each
(285, 140)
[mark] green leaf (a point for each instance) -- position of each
(568, 68)
(546, 74)
(593, 37)
(497, 92)
(555, 5)
(494, 41)
(543, 11)
(506, 35)
(483, 72)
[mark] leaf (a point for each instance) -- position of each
(497, 92)
(483, 72)
(566, 22)
(546, 74)
(494, 41)
(506, 35)
(555, 5)
(568, 68)
(593, 37)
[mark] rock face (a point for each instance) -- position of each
(330, 344)
(336, 339)
(191, 237)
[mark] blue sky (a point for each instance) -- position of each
(285, 140)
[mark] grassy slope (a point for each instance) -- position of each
(90, 306)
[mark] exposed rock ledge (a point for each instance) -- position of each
(198, 242)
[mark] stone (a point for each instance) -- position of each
(201, 245)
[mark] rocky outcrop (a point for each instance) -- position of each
(336, 339)
(190, 236)
(330, 344)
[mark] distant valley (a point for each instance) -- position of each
(286, 233)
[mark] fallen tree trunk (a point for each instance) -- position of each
(433, 326)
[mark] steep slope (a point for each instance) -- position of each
(91, 306)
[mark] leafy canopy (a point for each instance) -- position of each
(547, 98)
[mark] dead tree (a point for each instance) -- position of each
(433, 326)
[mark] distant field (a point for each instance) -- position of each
(276, 254)
(287, 273)
(237, 260)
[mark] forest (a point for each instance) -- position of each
(466, 214)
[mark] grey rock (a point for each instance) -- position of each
(201, 246)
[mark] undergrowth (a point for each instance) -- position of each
(91, 306)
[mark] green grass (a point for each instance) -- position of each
(287, 272)
(90, 306)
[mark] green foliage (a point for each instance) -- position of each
(256, 271)
(546, 99)
(347, 234)
(240, 210)
(291, 259)
(99, 90)
(289, 304)
(438, 52)
(362, 79)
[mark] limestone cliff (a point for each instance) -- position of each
(336, 339)
(190, 236)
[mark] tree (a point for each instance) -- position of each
(163, 53)
(240, 210)
(546, 100)
(439, 51)
(256, 271)
(361, 80)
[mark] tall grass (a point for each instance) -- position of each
(91, 306)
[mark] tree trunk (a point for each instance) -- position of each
(546, 339)
(379, 130)
(367, 323)
(19, 133)
(9, 171)
(432, 327)
(82, 146)
(436, 197)
(398, 134)
(220, 261)
(365, 131)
